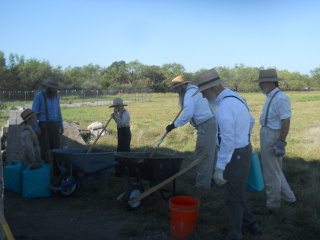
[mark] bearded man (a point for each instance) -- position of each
(49, 126)
(197, 111)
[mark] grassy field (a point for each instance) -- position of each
(301, 166)
(148, 121)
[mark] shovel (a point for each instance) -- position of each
(153, 189)
(99, 135)
(163, 136)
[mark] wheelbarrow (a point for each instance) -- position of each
(77, 165)
(159, 169)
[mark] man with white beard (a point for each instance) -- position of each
(197, 111)
(235, 124)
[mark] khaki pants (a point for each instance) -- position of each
(206, 145)
(277, 188)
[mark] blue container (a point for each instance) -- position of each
(13, 176)
(255, 180)
(36, 182)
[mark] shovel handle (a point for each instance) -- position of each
(99, 135)
(153, 189)
(163, 136)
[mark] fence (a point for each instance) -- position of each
(80, 96)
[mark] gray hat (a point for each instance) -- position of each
(27, 114)
(53, 82)
(117, 102)
(269, 75)
(208, 79)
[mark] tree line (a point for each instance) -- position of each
(20, 74)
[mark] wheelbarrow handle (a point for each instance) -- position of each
(153, 189)
(99, 135)
(163, 136)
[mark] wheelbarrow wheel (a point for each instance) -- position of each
(70, 190)
(129, 194)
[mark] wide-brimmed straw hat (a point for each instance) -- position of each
(53, 82)
(177, 81)
(117, 102)
(27, 114)
(207, 80)
(269, 75)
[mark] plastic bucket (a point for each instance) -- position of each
(183, 216)
(13, 176)
(255, 179)
(36, 182)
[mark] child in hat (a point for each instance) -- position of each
(122, 118)
(31, 152)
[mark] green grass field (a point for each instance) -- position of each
(149, 119)
(301, 167)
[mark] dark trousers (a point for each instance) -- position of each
(50, 139)
(236, 174)
(124, 140)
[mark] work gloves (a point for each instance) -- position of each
(170, 127)
(218, 177)
(279, 148)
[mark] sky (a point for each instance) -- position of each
(194, 33)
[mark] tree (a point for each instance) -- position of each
(315, 77)
(172, 70)
(154, 78)
(32, 73)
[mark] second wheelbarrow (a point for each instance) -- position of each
(159, 170)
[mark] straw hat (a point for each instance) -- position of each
(53, 82)
(177, 81)
(117, 102)
(208, 79)
(269, 75)
(27, 114)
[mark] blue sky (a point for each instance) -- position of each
(195, 33)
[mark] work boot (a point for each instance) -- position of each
(253, 228)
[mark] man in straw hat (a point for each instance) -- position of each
(275, 123)
(50, 124)
(196, 110)
(234, 123)
(122, 118)
(31, 153)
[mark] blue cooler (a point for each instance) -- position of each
(255, 180)
(36, 182)
(13, 176)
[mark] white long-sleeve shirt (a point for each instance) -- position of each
(196, 109)
(235, 125)
(280, 108)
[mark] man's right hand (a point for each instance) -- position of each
(218, 177)
(39, 132)
(170, 127)
(35, 165)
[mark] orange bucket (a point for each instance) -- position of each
(183, 216)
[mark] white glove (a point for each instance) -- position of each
(218, 177)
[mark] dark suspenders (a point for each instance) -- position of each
(243, 101)
(45, 104)
(266, 119)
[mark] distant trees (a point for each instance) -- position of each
(20, 74)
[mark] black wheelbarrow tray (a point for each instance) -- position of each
(76, 162)
(159, 169)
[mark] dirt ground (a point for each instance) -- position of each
(91, 213)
